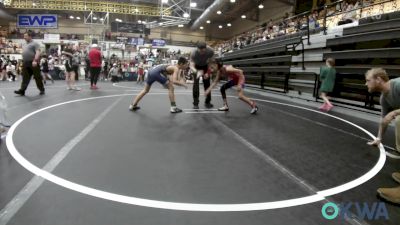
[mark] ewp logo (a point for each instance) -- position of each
(363, 211)
(37, 21)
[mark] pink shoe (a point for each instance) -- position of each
(323, 107)
(95, 87)
(328, 108)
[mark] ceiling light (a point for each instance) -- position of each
(139, 21)
(220, 26)
(161, 23)
(78, 18)
(71, 17)
(33, 4)
(193, 4)
(219, 12)
(186, 15)
(144, 22)
(243, 16)
(180, 25)
(101, 19)
(94, 18)
(201, 28)
(164, 1)
(229, 24)
(261, 6)
(136, 10)
(232, 1)
(208, 21)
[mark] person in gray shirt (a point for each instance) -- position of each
(199, 60)
(31, 58)
(377, 80)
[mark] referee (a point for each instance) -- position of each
(199, 65)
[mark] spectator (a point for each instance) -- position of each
(87, 66)
(76, 61)
(11, 71)
(313, 22)
(69, 69)
(44, 66)
(327, 77)
(350, 15)
(114, 71)
(95, 65)
(377, 80)
(303, 23)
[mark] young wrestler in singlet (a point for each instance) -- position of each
(235, 78)
(167, 75)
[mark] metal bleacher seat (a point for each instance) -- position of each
(263, 60)
(373, 26)
(364, 53)
(265, 64)
(265, 45)
(266, 69)
(370, 44)
(394, 15)
(392, 70)
(367, 36)
(262, 50)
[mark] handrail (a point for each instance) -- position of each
(298, 15)
(332, 4)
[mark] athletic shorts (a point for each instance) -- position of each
(232, 83)
(140, 71)
(152, 77)
(68, 66)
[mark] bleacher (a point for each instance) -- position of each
(266, 64)
(374, 43)
(290, 65)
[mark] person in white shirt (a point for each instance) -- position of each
(3, 65)
(10, 69)
(114, 71)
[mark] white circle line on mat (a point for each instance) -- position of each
(320, 195)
